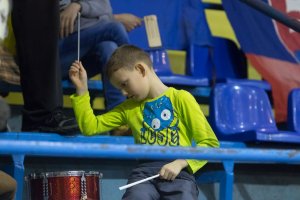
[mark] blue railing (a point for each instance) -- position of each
(95, 150)
(20, 145)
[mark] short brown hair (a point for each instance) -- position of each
(126, 56)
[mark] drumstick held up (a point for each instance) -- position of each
(78, 39)
(138, 182)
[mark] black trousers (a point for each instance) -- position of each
(36, 28)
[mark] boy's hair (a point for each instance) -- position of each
(126, 56)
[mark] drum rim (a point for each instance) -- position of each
(37, 175)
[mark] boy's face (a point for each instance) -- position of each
(132, 83)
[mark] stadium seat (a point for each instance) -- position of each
(162, 67)
(294, 110)
(5, 88)
(94, 85)
(244, 113)
(223, 62)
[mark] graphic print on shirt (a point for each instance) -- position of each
(160, 125)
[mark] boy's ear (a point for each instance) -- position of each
(141, 68)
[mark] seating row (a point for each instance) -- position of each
(225, 64)
(294, 110)
(244, 113)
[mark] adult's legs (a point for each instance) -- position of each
(8, 186)
(98, 60)
(89, 39)
(36, 28)
(97, 44)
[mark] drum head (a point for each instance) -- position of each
(63, 174)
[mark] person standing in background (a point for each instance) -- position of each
(36, 29)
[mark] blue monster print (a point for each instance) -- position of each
(160, 125)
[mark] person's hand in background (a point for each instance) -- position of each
(130, 21)
(67, 19)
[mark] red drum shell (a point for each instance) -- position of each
(64, 185)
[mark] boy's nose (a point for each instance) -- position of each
(124, 93)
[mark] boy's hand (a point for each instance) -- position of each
(171, 170)
(78, 77)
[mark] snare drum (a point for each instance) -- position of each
(65, 185)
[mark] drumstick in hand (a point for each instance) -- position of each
(78, 36)
(138, 182)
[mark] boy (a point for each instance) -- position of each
(156, 114)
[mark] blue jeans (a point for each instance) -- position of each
(97, 43)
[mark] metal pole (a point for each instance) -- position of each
(111, 151)
(273, 13)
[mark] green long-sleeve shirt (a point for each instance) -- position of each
(171, 119)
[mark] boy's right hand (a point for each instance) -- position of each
(78, 76)
(171, 170)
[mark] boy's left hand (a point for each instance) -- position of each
(171, 170)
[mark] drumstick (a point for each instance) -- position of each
(138, 182)
(78, 39)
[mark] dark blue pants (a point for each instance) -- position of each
(97, 43)
(184, 187)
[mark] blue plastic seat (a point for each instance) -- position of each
(224, 62)
(95, 88)
(244, 113)
(294, 110)
(93, 85)
(162, 68)
(7, 87)
(199, 62)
